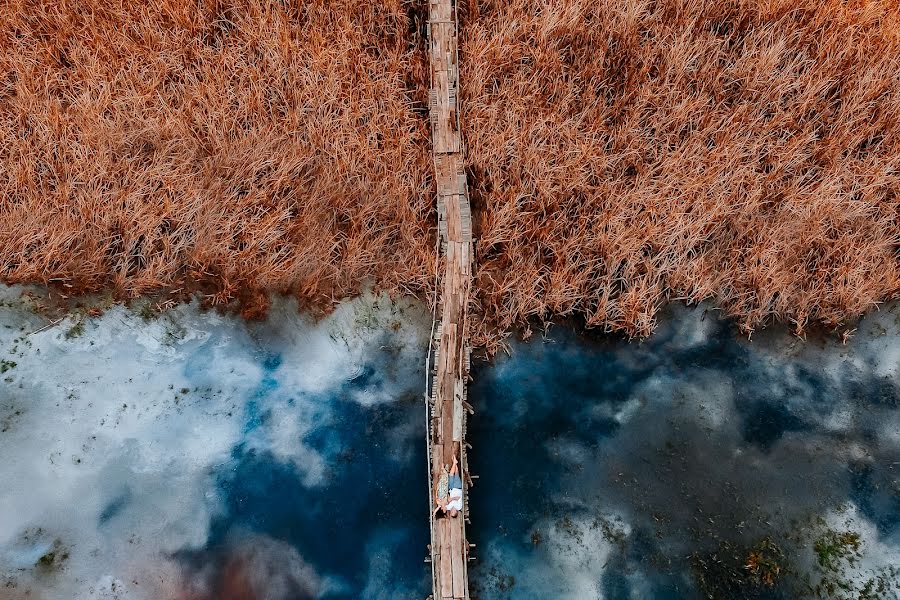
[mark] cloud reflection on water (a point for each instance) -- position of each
(193, 456)
(614, 469)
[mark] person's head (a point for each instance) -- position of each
(453, 512)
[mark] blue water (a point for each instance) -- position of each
(198, 457)
(363, 527)
(613, 469)
(367, 502)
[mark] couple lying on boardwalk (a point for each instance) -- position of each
(448, 491)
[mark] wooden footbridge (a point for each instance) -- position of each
(446, 406)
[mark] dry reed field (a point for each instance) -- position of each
(620, 153)
(627, 152)
(229, 146)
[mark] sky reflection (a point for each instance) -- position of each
(655, 469)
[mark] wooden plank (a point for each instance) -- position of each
(454, 232)
(458, 411)
(456, 559)
(436, 581)
(447, 399)
(440, 10)
(446, 559)
(437, 460)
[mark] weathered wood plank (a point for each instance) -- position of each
(453, 223)
(447, 399)
(457, 567)
(446, 558)
(437, 460)
(458, 411)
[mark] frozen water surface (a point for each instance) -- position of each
(193, 456)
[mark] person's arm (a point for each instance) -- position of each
(441, 504)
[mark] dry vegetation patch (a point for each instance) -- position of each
(231, 145)
(622, 153)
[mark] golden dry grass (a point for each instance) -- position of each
(231, 145)
(620, 153)
(626, 152)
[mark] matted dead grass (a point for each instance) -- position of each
(230, 145)
(626, 152)
(621, 153)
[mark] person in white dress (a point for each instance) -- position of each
(448, 495)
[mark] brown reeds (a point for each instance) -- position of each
(620, 153)
(232, 146)
(626, 152)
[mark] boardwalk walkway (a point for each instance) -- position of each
(447, 407)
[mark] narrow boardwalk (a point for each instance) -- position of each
(447, 408)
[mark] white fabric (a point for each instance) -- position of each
(455, 499)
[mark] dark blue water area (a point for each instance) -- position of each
(359, 530)
(615, 469)
(367, 500)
